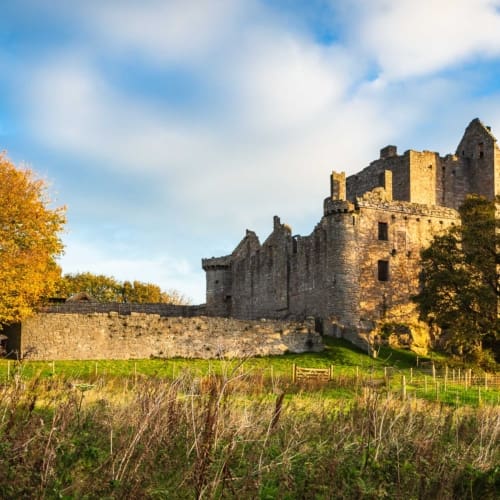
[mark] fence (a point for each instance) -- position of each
(453, 386)
(444, 385)
(321, 374)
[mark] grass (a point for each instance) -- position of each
(182, 428)
(338, 352)
(237, 435)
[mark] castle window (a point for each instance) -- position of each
(383, 270)
(383, 231)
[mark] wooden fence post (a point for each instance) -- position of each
(330, 376)
(8, 370)
(403, 387)
(294, 372)
(433, 371)
(411, 375)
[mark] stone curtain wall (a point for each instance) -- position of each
(139, 335)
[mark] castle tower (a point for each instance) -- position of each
(480, 158)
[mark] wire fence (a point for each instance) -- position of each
(454, 386)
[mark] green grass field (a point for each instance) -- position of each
(352, 370)
(176, 428)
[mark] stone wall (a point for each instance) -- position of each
(51, 336)
(426, 177)
(410, 227)
(84, 307)
(478, 151)
(372, 177)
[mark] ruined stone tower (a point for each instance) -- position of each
(361, 262)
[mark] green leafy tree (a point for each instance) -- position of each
(29, 242)
(460, 279)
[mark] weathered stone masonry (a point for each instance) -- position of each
(75, 332)
(360, 264)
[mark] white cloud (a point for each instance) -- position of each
(72, 108)
(283, 81)
(409, 38)
(273, 155)
(160, 31)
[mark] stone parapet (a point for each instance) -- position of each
(164, 310)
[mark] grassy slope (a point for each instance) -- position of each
(339, 353)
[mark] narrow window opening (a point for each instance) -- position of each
(383, 231)
(480, 147)
(383, 270)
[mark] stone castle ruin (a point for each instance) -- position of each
(360, 265)
(353, 274)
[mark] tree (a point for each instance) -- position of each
(29, 242)
(107, 289)
(99, 287)
(460, 279)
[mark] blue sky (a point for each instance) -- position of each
(168, 127)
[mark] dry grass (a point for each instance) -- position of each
(234, 435)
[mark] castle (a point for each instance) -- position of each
(360, 265)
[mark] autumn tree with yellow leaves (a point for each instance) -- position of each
(29, 242)
(103, 288)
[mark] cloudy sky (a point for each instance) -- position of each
(168, 127)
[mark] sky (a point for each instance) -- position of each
(168, 127)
